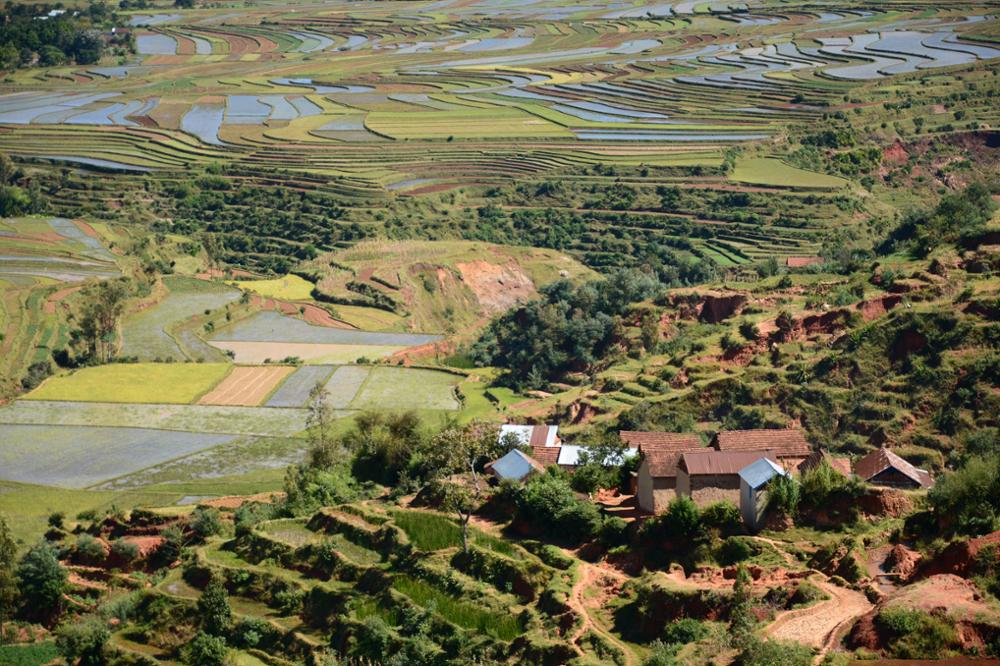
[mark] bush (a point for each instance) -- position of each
(83, 644)
(724, 517)
(783, 495)
(916, 634)
(548, 503)
(735, 550)
(205, 650)
(968, 501)
(613, 532)
(684, 631)
(89, 550)
(661, 654)
(124, 551)
(773, 653)
(206, 521)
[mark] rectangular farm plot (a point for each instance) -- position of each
(78, 457)
(247, 386)
(263, 352)
(264, 421)
(294, 392)
(165, 383)
(345, 384)
(407, 388)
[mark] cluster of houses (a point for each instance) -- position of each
(736, 466)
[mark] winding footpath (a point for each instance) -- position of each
(821, 625)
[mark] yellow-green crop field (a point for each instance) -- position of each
(166, 383)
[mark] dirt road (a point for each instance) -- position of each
(821, 625)
(606, 579)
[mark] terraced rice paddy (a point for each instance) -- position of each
(189, 418)
(455, 72)
(247, 386)
(407, 388)
(294, 391)
(152, 333)
(264, 352)
(75, 457)
(166, 383)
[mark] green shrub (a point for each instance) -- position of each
(206, 521)
(205, 650)
(968, 500)
(783, 495)
(807, 594)
(684, 631)
(724, 517)
(915, 634)
(735, 550)
(83, 643)
(89, 550)
(773, 653)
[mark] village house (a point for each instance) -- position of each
(754, 481)
(515, 465)
(838, 464)
(711, 476)
(789, 446)
(657, 475)
(885, 468)
(542, 440)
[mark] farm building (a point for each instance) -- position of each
(657, 475)
(569, 456)
(754, 479)
(837, 464)
(885, 468)
(714, 476)
(515, 465)
(789, 445)
(542, 440)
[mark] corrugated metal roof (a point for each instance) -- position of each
(760, 472)
(515, 465)
(785, 442)
(569, 455)
(713, 462)
(531, 435)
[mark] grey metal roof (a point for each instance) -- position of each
(759, 472)
(515, 465)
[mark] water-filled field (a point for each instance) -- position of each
(76, 457)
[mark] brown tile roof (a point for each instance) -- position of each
(878, 461)
(546, 455)
(664, 441)
(841, 465)
(720, 462)
(784, 442)
(662, 464)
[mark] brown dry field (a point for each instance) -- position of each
(247, 386)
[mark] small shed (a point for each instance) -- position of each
(753, 490)
(711, 476)
(515, 465)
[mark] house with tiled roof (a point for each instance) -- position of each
(657, 474)
(541, 440)
(884, 468)
(711, 476)
(789, 445)
(838, 464)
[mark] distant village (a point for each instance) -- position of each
(736, 466)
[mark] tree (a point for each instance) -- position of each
(8, 580)
(465, 449)
(42, 581)
(101, 307)
(968, 500)
(741, 618)
(83, 644)
(214, 610)
(205, 650)
(206, 521)
(650, 332)
(322, 449)
(783, 495)
(6, 167)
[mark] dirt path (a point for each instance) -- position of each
(821, 625)
(604, 578)
(778, 546)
